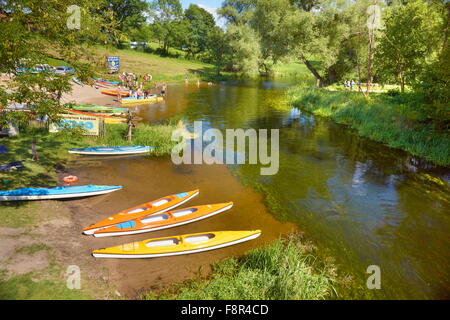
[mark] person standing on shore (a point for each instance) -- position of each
(34, 153)
(119, 94)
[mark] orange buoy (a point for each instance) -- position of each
(70, 179)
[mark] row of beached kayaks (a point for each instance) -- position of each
(158, 215)
(155, 215)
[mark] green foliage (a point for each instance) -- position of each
(25, 287)
(283, 270)
(200, 22)
(408, 40)
(29, 32)
(167, 20)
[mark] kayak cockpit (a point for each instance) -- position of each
(199, 238)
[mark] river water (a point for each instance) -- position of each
(361, 202)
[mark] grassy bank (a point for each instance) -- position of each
(286, 269)
(398, 121)
(53, 155)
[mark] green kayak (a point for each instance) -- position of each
(96, 108)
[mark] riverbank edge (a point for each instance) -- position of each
(20, 220)
(399, 123)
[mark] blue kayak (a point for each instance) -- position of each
(111, 151)
(56, 192)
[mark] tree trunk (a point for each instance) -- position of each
(313, 70)
(358, 68)
(130, 126)
(369, 63)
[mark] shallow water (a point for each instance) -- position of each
(361, 202)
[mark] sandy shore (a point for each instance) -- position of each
(88, 95)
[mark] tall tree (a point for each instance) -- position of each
(166, 15)
(200, 22)
(410, 35)
(30, 32)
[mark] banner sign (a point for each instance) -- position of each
(90, 125)
(113, 63)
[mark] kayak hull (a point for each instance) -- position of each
(141, 100)
(139, 250)
(112, 151)
(204, 212)
(114, 93)
(56, 193)
(150, 208)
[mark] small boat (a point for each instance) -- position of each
(56, 192)
(111, 151)
(96, 108)
(150, 99)
(77, 81)
(164, 220)
(177, 245)
(114, 93)
(153, 207)
(107, 81)
(108, 118)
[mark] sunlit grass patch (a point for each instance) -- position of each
(283, 270)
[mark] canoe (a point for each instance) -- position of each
(56, 192)
(108, 119)
(114, 93)
(77, 81)
(111, 151)
(133, 100)
(177, 245)
(95, 108)
(107, 82)
(153, 207)
(164, 220)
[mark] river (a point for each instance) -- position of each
(361, 202)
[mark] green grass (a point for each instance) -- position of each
(283, 270)
(399, 121)
(158, 136)
(161, 68)
(18, 214)
(26, 287)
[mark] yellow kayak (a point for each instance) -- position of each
(177, 245)
(150, 99)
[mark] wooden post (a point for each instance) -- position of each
(130, 125)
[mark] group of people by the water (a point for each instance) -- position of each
(138, 86)
(349, 84)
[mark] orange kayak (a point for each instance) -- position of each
(164, 220)
(114, 93)
(153, 207)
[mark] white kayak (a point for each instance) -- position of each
(112, 151)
